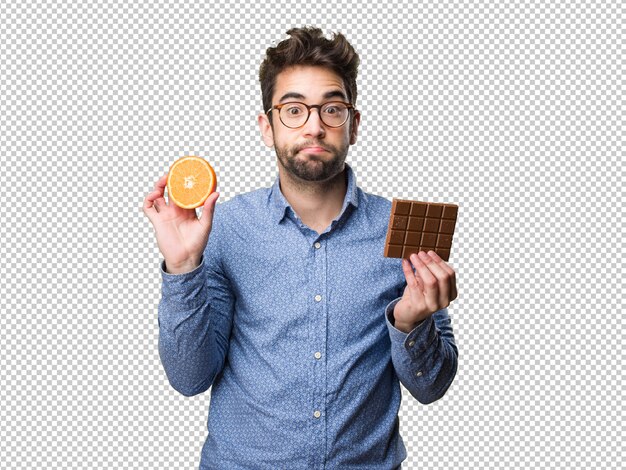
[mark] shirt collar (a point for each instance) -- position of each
(278, 204)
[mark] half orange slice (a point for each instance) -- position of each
(190, 181)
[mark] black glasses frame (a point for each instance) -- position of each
(278, 107)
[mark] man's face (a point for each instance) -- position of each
(315, 151)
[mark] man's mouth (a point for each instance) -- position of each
(314, 149)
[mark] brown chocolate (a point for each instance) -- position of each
(416, 226)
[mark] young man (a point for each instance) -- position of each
(281, 298)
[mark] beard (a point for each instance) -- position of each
(309, 166)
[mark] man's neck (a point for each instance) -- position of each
(316, 203)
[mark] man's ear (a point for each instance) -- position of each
(356, 120)
(266, 130)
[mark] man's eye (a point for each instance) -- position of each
(330, 110)
(294, 110)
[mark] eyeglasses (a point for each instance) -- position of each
(295, 114)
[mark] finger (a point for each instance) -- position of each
(414, 286)
(429, 281)
(161, 184)
(154, 200)
(449, 271)
(148, 205)
(148, 211)
(411, 280)
(206, 219)
(159, 188)
(443, 283)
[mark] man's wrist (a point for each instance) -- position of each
(183, 267)
(402, 326)
(406, 327)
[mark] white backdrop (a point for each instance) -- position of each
(512, 109)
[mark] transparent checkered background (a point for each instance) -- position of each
(512, 109)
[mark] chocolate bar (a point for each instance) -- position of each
(416, 226)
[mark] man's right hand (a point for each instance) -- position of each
(181, 235)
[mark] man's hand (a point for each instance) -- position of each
(181, 235)
(430, 288)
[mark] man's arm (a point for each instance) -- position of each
(195, 321)
(425, 359)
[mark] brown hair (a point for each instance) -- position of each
(308, 46)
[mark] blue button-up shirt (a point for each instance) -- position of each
(294, 332)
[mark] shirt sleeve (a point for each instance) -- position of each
(425, 359)
(195, 320)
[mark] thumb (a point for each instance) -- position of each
(206, 218)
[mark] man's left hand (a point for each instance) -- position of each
(430, 288)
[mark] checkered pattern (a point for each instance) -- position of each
(416, 226)
(512, 110)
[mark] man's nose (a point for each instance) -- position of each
(314, 125)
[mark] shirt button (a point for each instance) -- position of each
(317, 414)
(419, 373)
(317, 244)
(411, 343)
(318, 298)
(318, 355)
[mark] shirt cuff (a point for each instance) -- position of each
(165, 273)
(416, 341)
(184, 291)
